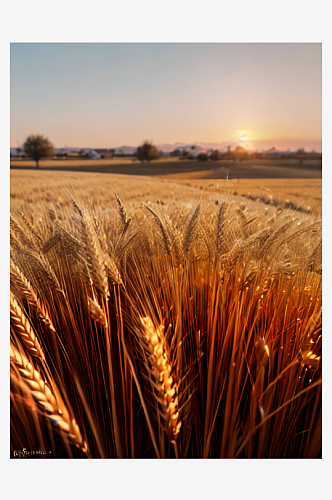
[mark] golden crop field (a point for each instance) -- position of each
(165, 318)
(303, 193)
(73, 162)
(49, 186)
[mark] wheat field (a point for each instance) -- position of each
(187, 328)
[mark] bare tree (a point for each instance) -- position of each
(37, 147)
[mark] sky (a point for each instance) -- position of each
(103, 95)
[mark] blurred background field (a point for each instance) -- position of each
(32, 186)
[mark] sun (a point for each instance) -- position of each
(244, 137)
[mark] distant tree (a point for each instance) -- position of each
(176, 152)
(215, 155)
(147, 152)
(240, 153)
(38, 147)
(202, 157)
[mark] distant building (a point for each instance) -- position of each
(17, 152)
(92, 154)
(273, 152)
(313, 154)
(300, 154)
(101, 151)
(194, 151)
(125, 151)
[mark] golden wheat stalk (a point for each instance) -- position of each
(315, 259)
(24, 329)
(223, 241)
(14, 242)
(31, 296)
(166, 390)
(166, 242)
(315, 227)
(30, 380)
(72, 245)
(242, 216)
(126, 227)
(31, 229)
(97, 313)
(95, 258)
(77, 207)
(49, 273)
(249, 221)
(41, 267)
(59, 229)
(49, 243)
(52, 214)
(170, 237)
(175, 241)
(274, 237)
(191, 229)
(111, 270)
(18, 233)
(122, 211)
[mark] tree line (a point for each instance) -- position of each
(38, 147)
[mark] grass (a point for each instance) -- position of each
(185, 330)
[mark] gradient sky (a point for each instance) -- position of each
(107, 95)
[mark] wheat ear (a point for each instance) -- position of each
(166, 242)
(31, 296)
(315, 259)
(49, 273)
(242, 216)
(313, 227)
(77, 207)
(95, 258)
(191, 229)
(19, 234)
(49, 243)
(23, 328)
(31, 229)
(274, 237)
(97, 313)
(165, 389)
(111, 270)
(49, 400)
(122, 211)
(175, 239)
(222, 240)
